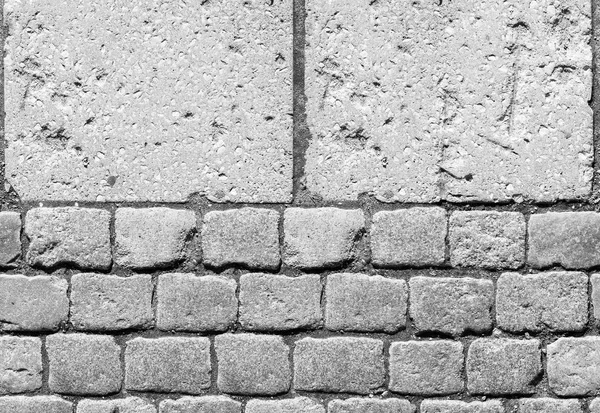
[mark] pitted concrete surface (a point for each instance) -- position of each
(461, 100)
(149, 100)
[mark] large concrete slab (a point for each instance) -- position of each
(149, 100)
(462, 100)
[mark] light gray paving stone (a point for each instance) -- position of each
(595, 296)
(10, 237)
(20, 364)
(187, 302)
(457, 406)
(104, 302)
(191, 109)
(295, 405)
(69, 235)
(35, 404)
(595, 406)
(32, 303)
(153, 237)
(360, 405)
(127, 405)
(246, 236)
(205, 404)
(574, 366)
(271, 302)
(548, 405)
(168, 365)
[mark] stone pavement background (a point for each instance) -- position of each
(300, 206)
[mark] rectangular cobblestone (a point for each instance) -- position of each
(20, 364)
(32, 303)
(82, 364)
(339, 364)
(69, 236)
(457, 406)
(187, 302)
(366, 303)
(556, 301)
(487, 239)
(503, 366)
(321, 237)
(127, 405)
(167, 232)
(10, 237)
(295, 405)
(168, 365)
(453, 306)
(360, 405)
(36, 404)
(569, 239)
(247, 236)
(409, 237)
(595, 296)
(104, 302)
(548, 405)
(595, 406)
(426, 368)
(206, 404)
(275, 302)
(573, 366)
(252, 364)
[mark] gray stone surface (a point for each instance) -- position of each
(247, 236)
(252, 364)
(409, 237)
(36, 404)
(339, 364)
(105, 302)
(595, 296)
(503, 366)
(187, 302)
(82, 364)
(487, 239)
(168, 365)
(166, 232)
(569, 239)
(595, 406)
(127, 405)
(360, 405)
(574, 366)
(548, 405)
(206, 404)
(426, 368)
(32, 303)
(10, 237)
(321, 237)
(295, 405)
(368, 303)
(451, 305)
(465, 100)
(20, 364)
(555, 301)
(192, 108)
(457, 406)
(68, 235)
(277, 302)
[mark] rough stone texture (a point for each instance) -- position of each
(168, 364)
(247, 236)
(487, 239)
(192, 108)
(569, 239)
(277, 302)
(548, 405)
(409, 237)
(557, 301)
(595, 295)
(20, 364)
(595, 406)
(82, 364)
(10, 237)
(464, 100)
(164, 231)
(426, 368)
(36, 404)
(340, 364)
(359, 405)
(503, 366)
(321, 237)
(573, 366)
(252, 364)
(369, 303)
(206, 404)
(69, 235)
(187, 302)
(107, 302)
(128, 405)
(32, 303)
(451, 305)
(295, 405)
(456, 406)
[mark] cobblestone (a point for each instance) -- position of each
(20, 364)
(36, 404)
(457, 406)
(547, 405)
(359, 405)
(207, 404)
(10, 237)
(127, 405)
(295, 405)
(574, 366)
